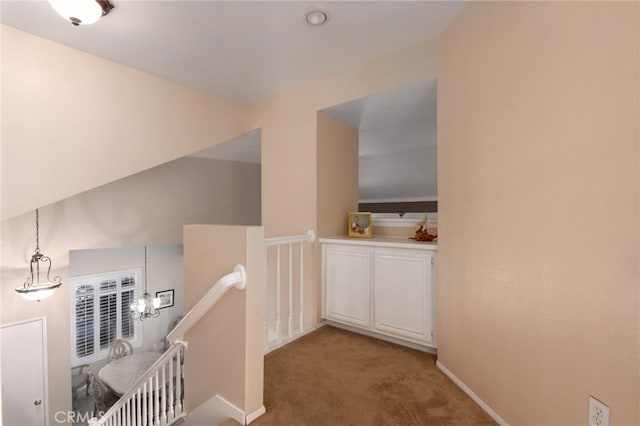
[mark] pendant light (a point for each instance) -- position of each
(146, 306)
(33, 288)
(81, 12)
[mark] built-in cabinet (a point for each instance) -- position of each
(348, 284)
(382, 286)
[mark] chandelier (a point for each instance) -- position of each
(33, 288)
(146, 306)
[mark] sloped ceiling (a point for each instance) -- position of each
(398, 142)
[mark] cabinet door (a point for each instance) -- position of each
(347, 284)
(403, 293)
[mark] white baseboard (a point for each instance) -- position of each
(273, 346)
(472, 395)
(413, 345)
(215, 411)
(252, 416)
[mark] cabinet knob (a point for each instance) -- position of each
(37, 402)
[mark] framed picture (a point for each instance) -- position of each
(166, 298)
(359, 225)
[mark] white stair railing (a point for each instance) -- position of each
(157, 397)
(290, 292)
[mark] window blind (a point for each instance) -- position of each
(101, 313)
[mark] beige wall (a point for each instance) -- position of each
(290, 175)
(147, 208)
(337, 159)
(538, 208)
(226, 345)
(81, 121)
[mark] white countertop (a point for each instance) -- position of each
(395, 242)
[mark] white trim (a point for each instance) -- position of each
(399, 200)
(396, 223)
(395, 242)
(408, 220)
(254, 415)
(295, 337)
(230, 410)
(309, 237)
(45, 361)
(218, 407)
(431, 349)
(471, 394)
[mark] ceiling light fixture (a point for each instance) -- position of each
(33, 289)
(81, 12)
(146, 306)
(316, 16)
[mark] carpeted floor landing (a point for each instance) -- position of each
(335, 377)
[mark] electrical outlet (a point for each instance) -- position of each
(598, 413)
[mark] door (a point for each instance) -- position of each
(347, 296)
(23, 374)
(403, 294)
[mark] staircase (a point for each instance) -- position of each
(157, 398)
(274, 310)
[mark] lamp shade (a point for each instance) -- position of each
(38, 292)
(79, 12)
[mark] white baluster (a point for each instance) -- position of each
(301, 287)
(138, 408)
(144, 403)
(278, 323)
(290, 322)
(149, 399)
(164, 393)
(172, 413)
(179, 382)
(156, 395)
(266, 300)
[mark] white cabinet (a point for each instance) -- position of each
(402, 293)
(381, 287)
(348, 284)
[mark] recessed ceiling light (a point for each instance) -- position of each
(316, 16)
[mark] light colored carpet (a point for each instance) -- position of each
(334, 377)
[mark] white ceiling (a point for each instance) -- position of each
(239, 50)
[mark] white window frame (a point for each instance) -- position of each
(95, 280)
(408, 220)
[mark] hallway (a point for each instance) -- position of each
(335, 377)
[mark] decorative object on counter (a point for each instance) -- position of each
(359, 225)
(34, 288)
(166, 299)
(422, 234)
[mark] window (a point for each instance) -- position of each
(100, 306)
